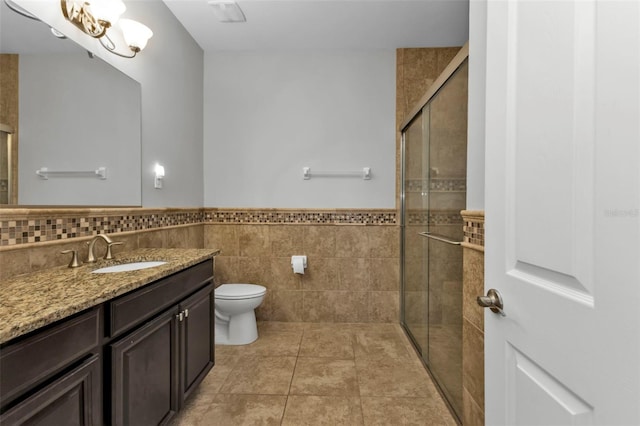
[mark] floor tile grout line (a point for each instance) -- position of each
(355, 367)
(292, 376)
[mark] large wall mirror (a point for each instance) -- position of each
(71, 132)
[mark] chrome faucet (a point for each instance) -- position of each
(91, 257)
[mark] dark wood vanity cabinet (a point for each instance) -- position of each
(53, 376)
(196, 340)
(130, 361)
(144, 369)
(74, 398)
(162, 356)
(155, 367)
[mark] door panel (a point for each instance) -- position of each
(547, 398)
(562, 212)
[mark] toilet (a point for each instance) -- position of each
(235, 322)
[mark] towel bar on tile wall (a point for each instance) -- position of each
(365, 173)
(439, 238)
(45, 173)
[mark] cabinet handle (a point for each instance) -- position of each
(180, 316)
(186, 313)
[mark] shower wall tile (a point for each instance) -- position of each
(385, 274)
(473, 366)
(473, 272)
(384, 306)
(473, 319)
(472, 414)
(416, 70)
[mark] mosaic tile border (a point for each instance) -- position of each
(442, 217)
(436, 185)
(26, 226)
(301, 217)
(473, 227)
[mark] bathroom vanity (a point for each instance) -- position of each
(125, 348)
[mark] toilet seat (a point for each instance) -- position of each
(239, 291)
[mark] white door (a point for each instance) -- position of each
(562, 212)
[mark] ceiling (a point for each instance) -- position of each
(327, 24)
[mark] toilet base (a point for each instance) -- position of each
(240, 329)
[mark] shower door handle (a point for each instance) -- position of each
(493, 301)
(439, 238)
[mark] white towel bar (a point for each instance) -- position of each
(365, 173)
(45, 173)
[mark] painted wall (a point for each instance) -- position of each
(475, 129)
(269, 114)
(170, 72)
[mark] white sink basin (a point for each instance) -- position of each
(125, 267)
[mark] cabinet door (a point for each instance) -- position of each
(144, 373)
(197, 344)
(73, 399)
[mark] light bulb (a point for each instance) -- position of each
(135, 34)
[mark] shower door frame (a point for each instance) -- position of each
(442, 79)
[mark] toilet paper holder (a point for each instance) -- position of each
(298, 263)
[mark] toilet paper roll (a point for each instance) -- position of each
(298, 263)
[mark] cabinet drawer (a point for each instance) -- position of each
(131, 309)
(74, 398)
(34, 359)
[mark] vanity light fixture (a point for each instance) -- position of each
(227, 11)
(96, 17)
(159, 176)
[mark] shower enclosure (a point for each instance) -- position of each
(434, 163)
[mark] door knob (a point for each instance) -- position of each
(493, 301)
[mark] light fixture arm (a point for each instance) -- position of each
(111, 47)
(79, 16)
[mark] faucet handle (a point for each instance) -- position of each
(74, 258)
(108, 255)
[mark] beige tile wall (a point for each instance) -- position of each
(353, 264)
(473, 320)
(352, 273)
(416, 70)
(25, 258)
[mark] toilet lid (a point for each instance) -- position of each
(239, 291)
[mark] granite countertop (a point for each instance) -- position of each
(31, 301)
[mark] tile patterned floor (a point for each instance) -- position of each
(317, 374)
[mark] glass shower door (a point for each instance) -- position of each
(415, 213)
(433, 194)
(447, 197)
